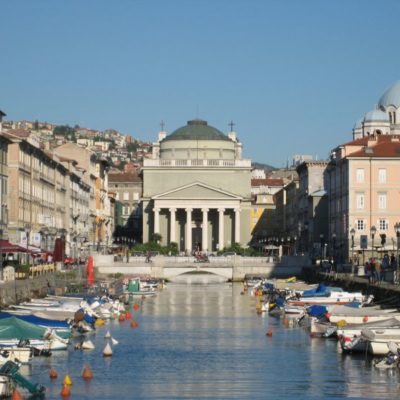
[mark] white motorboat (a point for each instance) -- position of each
(329, 298)
(360, 315)
(6, 386)
(379, 339)
(15, 354)
(351, 330)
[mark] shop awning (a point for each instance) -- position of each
(7, 247)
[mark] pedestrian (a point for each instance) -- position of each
(372, 264)
(378, 268)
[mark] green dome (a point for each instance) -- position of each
(197, 129)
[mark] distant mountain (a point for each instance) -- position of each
(265, 167)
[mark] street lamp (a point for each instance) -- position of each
(352, 233)
(321, 237)
(333, 244)
(397, 229)
(372, 231)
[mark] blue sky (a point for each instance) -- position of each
(293, 75)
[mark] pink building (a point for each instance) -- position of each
(364, 193)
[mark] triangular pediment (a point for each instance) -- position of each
(197, 190)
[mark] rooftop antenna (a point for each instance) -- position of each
(162, 124)
(231, 125)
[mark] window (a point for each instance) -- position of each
(360, 224)
(360, 175)
(126, 210)
(382, 201)
(117, 196)
(360, 201)
(382, 175)
(126, 196)
(135, 196)
(383, 225)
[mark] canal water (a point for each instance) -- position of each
(207, 342)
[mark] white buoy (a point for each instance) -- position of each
(114, 341)
(108, 335)
(107, 352)
(87, 345)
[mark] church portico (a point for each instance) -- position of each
(207, 228)
(196, 189)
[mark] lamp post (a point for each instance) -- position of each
(352, 233)
(372, 231)
(397, 229)
(321, 238)
(333, 245)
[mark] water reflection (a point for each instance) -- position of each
(199, 341)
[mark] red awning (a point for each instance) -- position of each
(7, 247)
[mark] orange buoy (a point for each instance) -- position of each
(269, 332)
(65, 391)
(16, 395)
(67, 380)
(128, 315)
(121, 318)
(87, 373)
(134, 324)
(136, 307)
(365, 319)
(53, 374)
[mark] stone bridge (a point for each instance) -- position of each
(233, 268)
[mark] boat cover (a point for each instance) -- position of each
(50, 323)
(15, 328)
(321, 290)
(316, 310)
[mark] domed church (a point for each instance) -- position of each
(196, 189)
(384, 119)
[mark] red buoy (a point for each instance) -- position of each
(269, 332)
(121, 318)
(53, 374)
(87, 373)
(136, 307)
(134, 324)
(128, 315)
(16, 395)
(65, 391)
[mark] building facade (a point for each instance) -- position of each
(128, 189)
(196, 189)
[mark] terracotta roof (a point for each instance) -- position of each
(21, 133)
(267, 182)
(386, 146)
(123, 177)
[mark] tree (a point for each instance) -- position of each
(132, 147)
(156, 237)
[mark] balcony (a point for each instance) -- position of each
(197, 163)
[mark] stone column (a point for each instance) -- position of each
(172, 224)
(189, 230)
(237, 225)
(221, 228)
(204, 231)
(156, 220)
